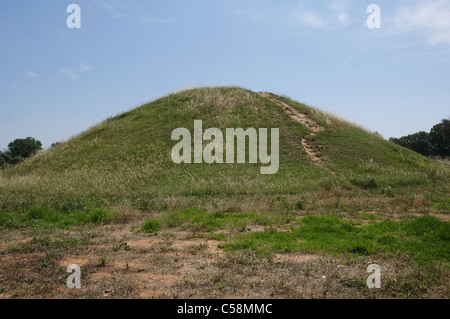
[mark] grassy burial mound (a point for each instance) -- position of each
(126, 161)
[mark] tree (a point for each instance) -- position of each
(437, 142)
(5, 159)
(418, 142)
(440, 139)
(2, 160)
(24, 148)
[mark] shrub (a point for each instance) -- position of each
(6, 220)
(369, 183)
(6, 159)
(151, 226)
(301, 203)
(43, 214)
(93, 216)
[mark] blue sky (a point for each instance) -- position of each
(55, 82)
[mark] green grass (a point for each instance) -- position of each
(443, 205)
(199, 220)
(426, 239)
(40, 217)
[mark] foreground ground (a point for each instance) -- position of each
(197, 259)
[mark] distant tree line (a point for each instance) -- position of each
(435, 143)
(18, 150)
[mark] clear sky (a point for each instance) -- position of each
(55, 82)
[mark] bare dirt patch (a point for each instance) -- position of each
(294, 258)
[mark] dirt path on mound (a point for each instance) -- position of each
(303, 119)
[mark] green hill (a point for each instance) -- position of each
(126, 160)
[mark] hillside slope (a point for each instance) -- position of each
(126, 162)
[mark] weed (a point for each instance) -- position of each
(121, 245)
(102, 262)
